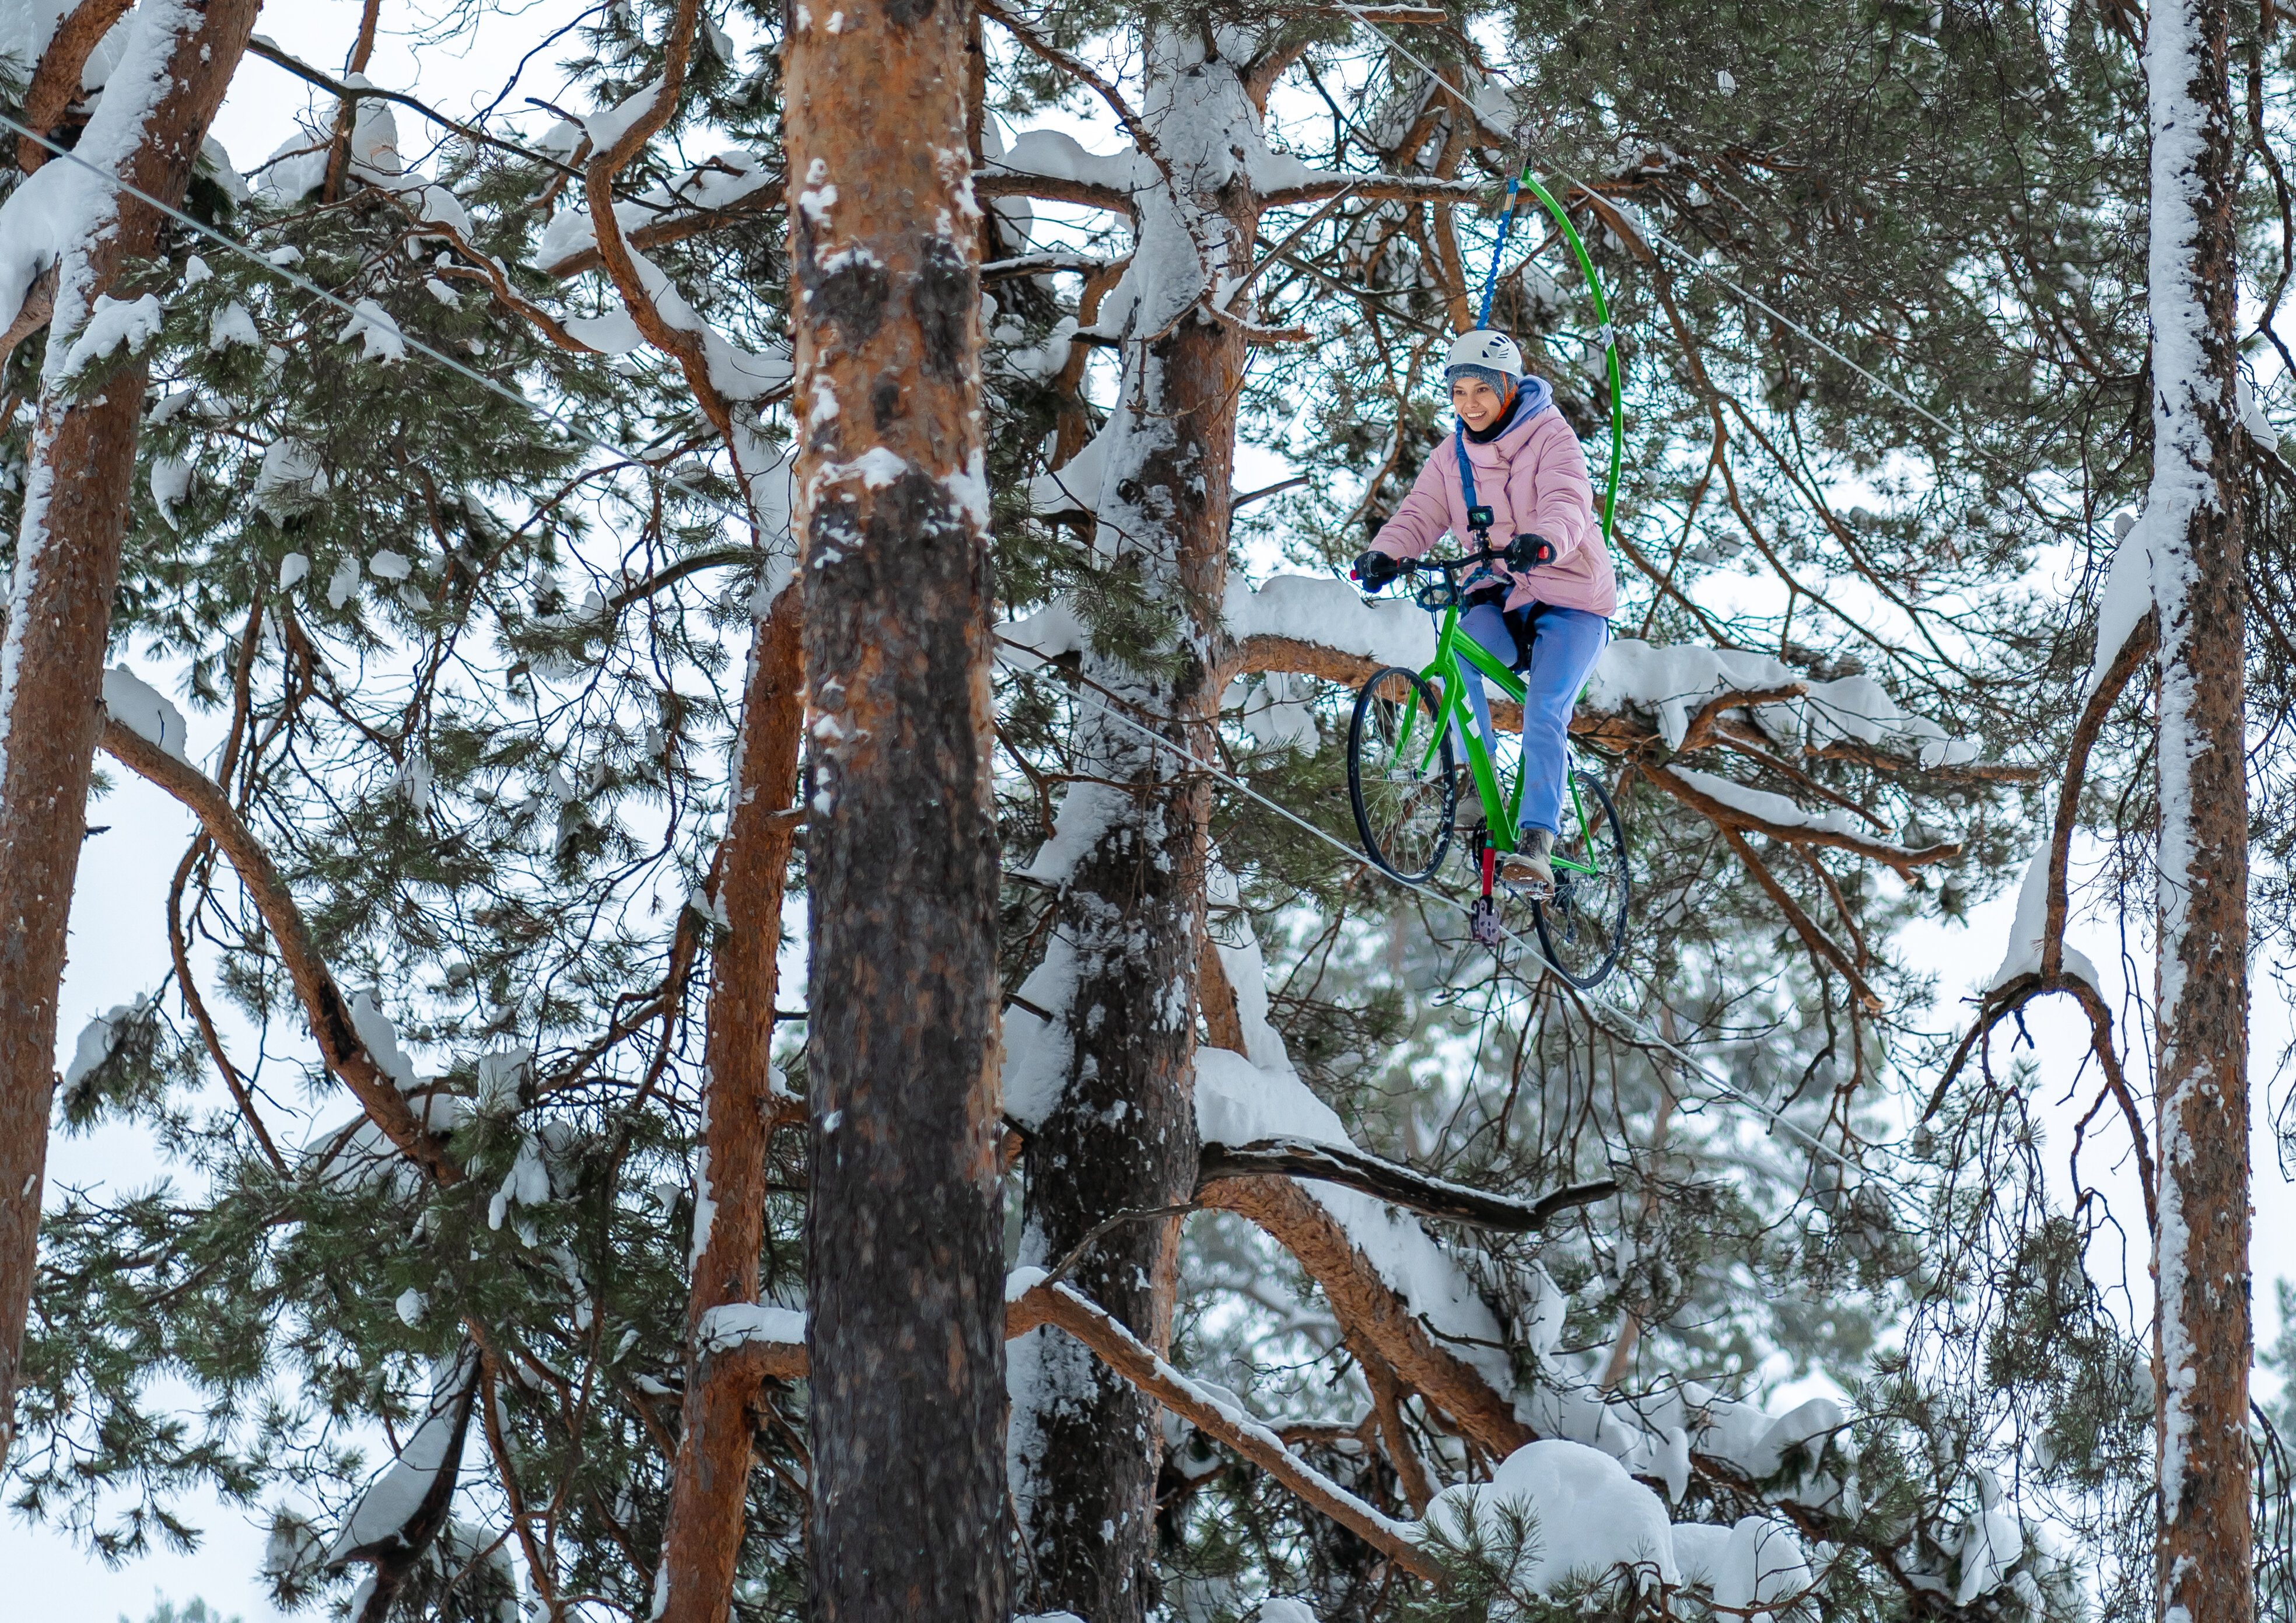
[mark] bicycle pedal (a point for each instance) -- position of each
(1483, 922)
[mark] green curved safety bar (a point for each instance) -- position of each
(1530, 182)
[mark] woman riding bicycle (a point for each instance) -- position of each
(1513, 467)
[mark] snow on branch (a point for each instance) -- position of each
(1050, 153)
(1734, 805)
(1408, 1307)
(405, 1507)
(1398, 1186)
(150, 714)
(333, 1022)
(732, 184)
(2037, 961)
(1215, 1416)
(1651, 704)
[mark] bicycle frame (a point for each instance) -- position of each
(1454, 648)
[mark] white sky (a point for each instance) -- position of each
(118, 943)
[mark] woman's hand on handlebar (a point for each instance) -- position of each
(1374, 569)
(1529, 551)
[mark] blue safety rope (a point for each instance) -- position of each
(1491, 280)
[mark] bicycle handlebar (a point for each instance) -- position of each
(1446, 566)
(1490, 554)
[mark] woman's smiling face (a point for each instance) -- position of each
(1477, 402)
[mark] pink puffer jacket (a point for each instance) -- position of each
(1533, 477)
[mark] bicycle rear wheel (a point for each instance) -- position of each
(1404, 794)
(1583, 925)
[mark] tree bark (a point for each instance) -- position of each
(904, 1260)
(172, 73)
(2204, 1341)
(1121, 1133)
(708, 1491)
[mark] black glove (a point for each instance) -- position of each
(1374, 569)
(1527, 552)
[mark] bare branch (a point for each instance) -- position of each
(1813, 935)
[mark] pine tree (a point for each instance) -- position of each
(904, 1264)
(93, 235)
(2204, 1343)
(543, 830)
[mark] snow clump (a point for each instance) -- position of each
(1592, 1517)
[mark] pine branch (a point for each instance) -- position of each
(1398, 1186)
(1123, 1352)
(330, 1020)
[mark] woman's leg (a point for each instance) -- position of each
(1565, 644)
(1487, 626)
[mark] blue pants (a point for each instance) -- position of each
(1564, 645)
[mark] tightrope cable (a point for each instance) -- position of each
(1725, 1093)
(295, 279)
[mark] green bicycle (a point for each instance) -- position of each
(1403, 778)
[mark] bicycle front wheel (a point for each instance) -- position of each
(1583, 925)
(1400, 774)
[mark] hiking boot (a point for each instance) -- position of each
(1532, 867)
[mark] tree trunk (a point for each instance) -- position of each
(2204, 1341)
(708, 1491)
(904, 1260)
(1120, 1135)
(172, 73)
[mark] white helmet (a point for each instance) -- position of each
(1485, 353)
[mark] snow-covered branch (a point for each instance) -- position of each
(729, 186)
(1217, 1417)
(1734, 805)
(1398, 1186)
(55, 83)
(405, 1508)
(334, 1025)
(2037, 962)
